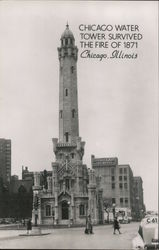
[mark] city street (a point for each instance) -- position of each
(71, 238)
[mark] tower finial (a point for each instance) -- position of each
(67, 26)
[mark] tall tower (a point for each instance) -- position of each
(69, 146)
(68, 103)
(68, 198)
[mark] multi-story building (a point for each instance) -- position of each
(116, 181)
(105, 171)
(139, 207)
(5, 160)
(124, 189)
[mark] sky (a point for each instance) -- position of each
(117, 99)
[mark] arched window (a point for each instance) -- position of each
(60, 113)
(67, 136)
(72, 69)
(67, 184)
(48, 210)
(66, 41)
(66, 92)
(73, 113)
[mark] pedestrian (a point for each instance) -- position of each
(89, 226)
(116, 225)
(29, 226)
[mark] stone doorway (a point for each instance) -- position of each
(65, 210)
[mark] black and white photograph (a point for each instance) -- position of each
(79, 125)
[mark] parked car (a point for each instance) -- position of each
(147, 236)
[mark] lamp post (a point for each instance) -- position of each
(113, 209)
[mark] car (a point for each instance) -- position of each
(147, 236)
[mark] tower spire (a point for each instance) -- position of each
(68, 98)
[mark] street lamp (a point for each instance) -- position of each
(113, 209)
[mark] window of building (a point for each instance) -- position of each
(72, 183)
(125, 170)
(66, 92)
(66, 41)
(126, 200)
(72, 155)
(120, 185)
(120, 178)
(66, 135)
(121, 200)
(48, 210)
(120, 170)
(113, 178)
(113, 200)
(125, 178)
(81, 210)
(112, 171)
(113, 185)
(125, 185)
(72, 69)
(67, 184)
(73, 113)
(60, 113)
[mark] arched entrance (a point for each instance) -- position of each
(65, 210)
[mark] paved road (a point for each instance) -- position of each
(71, 238)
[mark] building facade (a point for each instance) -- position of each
(139, 207)
(116, 182)
(5, 160)
(71, 192)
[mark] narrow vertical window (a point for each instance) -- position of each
(66, 134)
(66, 92)
(81, 210)
(113, 200)
(121, 200)
(72, 69)
(113, 185)
(48, 210)
(126, 200)
(60, 113)
(66, 41)
(73, 113)
(67, 184)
